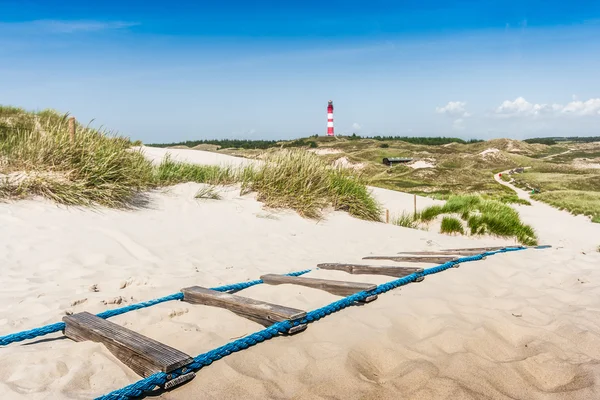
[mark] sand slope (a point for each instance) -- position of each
(524, 325)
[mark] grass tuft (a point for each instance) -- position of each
(484, 217)
(208, 192)
(304, 182)
(406, 220)
(452, 225)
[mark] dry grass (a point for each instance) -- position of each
(100, 168)
(302, 181)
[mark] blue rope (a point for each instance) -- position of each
(148, 384)
(60, 326)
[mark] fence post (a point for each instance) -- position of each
(415, 203)
(72, 129)
(387, 216)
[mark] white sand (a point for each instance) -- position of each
(524, 325)
(344, 162)
(324, 151)
(489, 151)
(193, 156)
(421, 164)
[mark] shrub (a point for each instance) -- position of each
(452, 225)
(384, 145)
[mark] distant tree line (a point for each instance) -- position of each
(265, 144)
(554, 140)
(429, 141)
(224, 143)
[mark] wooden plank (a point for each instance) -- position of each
(358, 269)
(259, 311)
(481, 249)
(443, 253)
(425, 259)
(340, 288)
(143, 355)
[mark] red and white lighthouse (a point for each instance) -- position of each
(330, 118)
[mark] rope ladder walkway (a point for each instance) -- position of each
(149, 384)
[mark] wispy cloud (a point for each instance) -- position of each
(454, 109)
(523, 108)
(64, 26)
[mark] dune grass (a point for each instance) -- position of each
(575, 201)
(406, 220)
(484, 216)
(452, 225)
(208, 192)
(302, 181)
(37, 157)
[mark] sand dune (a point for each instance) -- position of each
(523, 325)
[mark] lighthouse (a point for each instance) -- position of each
(330, 118)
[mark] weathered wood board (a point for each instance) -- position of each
(358, 269)
(442, 253)
(425, 259)
(256, 310)
(481, 249)
(340, 288)
(143, 355)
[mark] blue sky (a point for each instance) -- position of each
(171, 71)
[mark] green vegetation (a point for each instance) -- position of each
(575, 201)
(546, 141)
(208, 192)
(304, 182)
(554, 140)
(171, 172)
(452, 225)
(427, 141)
(37, 157)
(406, 220)
(224, 143)
(484, 217)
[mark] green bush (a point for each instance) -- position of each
(485, 217)
(452, 225)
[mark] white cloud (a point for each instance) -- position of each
(522, 108)
(589, 107)
(356, 126)
(63, 26)
(454, 109)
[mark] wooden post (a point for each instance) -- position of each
(387, 216)
(72, 129)
(415, 202)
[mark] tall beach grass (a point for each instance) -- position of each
(37, 157)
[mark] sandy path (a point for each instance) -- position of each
(523, 325)
(558, 227)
